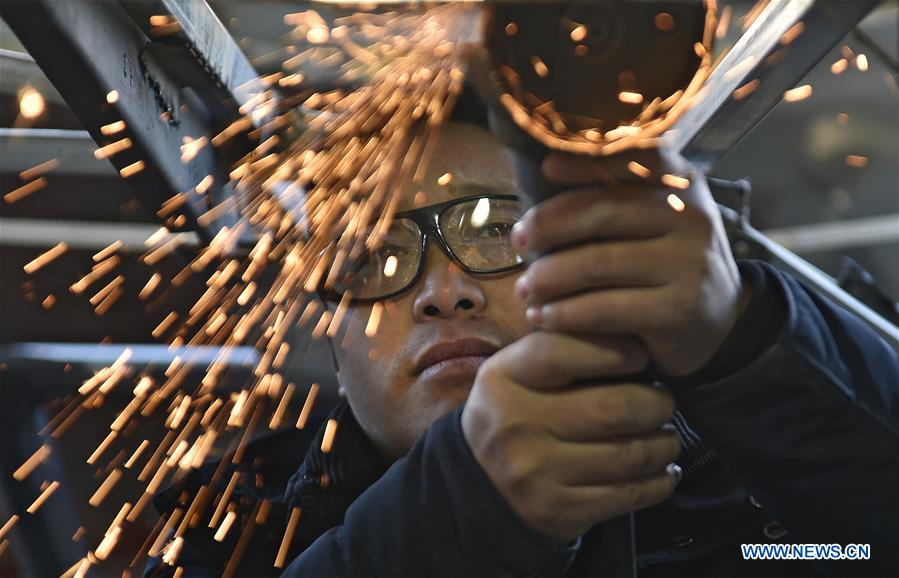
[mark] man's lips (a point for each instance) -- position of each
(462, 349)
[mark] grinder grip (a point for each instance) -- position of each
(617, 554)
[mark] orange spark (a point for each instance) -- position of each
(307, 406)
(31, 103)
(539, 66)
(20, 193)
(132, 169)
(288, 537)
(675, 182)
(112, 148)
(42, 498)
(579, 33)
(45, 258)
(857, 161)
(676, 203)
(630, 97)
(798, 93)
(38, 170)
(639, 170)
(328, 436)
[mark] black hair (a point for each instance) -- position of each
(470, 108)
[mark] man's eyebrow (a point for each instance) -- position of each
(472, 188)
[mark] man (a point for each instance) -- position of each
(493, 423)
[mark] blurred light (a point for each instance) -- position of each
(798, 93)
(390, 266)
(480, 213)
(31, 103)
(676, 203)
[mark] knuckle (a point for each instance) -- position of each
(598, 264)
(636, 457)
(615, 411)
(634, 358)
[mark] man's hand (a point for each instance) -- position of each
(627, 252)
(566, 458)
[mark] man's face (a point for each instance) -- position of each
(394, 385)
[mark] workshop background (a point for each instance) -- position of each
(825, 184)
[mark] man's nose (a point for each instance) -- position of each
(446, 291)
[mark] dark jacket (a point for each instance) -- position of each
(793, 437)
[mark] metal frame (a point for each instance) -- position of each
(187, 83)
(717, 123)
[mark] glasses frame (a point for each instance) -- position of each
(427, 219)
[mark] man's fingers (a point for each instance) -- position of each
(592, 213)
(606, 501)
(615, 460)
(630, 311)
(599, 412)
(595, 266)
(647, 164)
(544, 360)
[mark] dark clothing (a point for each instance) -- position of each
(807, 422)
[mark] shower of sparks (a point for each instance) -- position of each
(542, 122)
(312, 201)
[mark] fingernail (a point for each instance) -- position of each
(521, 288)
(676, 471)
(534, 315)
(519, 237)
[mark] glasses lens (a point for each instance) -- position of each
(386, 269)
(478, 231)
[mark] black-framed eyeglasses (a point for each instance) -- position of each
(475, 232)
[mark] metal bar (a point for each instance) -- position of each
(94, 355)
(863, 232)
(719, 120)
(23, 148)
(19, 69)
(81, 234)
(89, 49)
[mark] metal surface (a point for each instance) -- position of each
(184, 84)
(716, 123)
(23, 148)
(845, 234)
(82, 234)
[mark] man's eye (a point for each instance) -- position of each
(495, 230)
